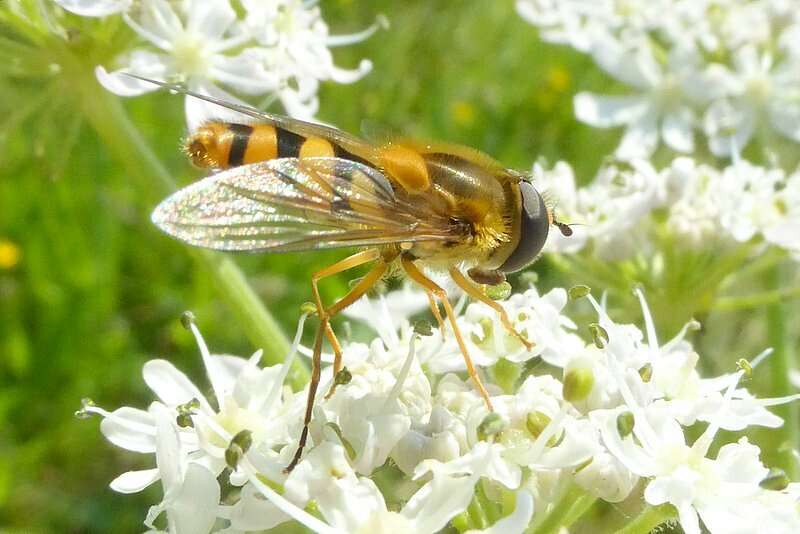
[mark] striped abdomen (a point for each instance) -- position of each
(222, 145)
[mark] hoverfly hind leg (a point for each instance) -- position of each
(325, 329)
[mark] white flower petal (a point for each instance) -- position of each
(785, 117)
(168, 451)
(517, 521)
(131, 429)
(438, 501)
(194, 509)
(141, 63)
(134, 481)
(640, 139)
(210, 18)
(94, 8)
(170, 384)
(602, 111)
(676, 129)
(254, 512)
(634, 67)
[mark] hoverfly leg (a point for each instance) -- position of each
(312, 393)
(325, 329)
(475, 292)
(358, 291)
(429, 285)
(435, 311)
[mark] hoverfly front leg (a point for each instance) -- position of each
(475, 292)
(325, 329)
(429, 285)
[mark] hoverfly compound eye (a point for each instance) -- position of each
(533, 228)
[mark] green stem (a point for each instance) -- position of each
(754, 301)
(650, 518)
(109, 119)
(571, 505)
(781, 364)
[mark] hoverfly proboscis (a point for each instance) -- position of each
(288, 185)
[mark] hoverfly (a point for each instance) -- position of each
(287, 185)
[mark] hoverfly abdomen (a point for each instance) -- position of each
(222, 145)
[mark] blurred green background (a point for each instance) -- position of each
(90, 290)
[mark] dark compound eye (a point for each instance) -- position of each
(533, 230)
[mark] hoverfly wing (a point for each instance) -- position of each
(294, 204)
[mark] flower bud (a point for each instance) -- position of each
(536, 423)
(625, 423)
(308, 308)
(578, 384)
(491, 425)
(238, 447)
(499, 292)
(579, 291)
(775, 480)
(599, 335)
(646, 372)
(423, 328)
(343, 377)
(187, 320)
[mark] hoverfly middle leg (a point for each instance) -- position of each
(325, 329)
(419, 277)
(475, 292)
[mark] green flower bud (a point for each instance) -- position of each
(238, 447)
(184, 420)
(187, 320)
(491, 425)
(536, 423)
(578, 383)
(343, 377)
(308, 308)
(646, 372)
(776, 480)
(499, 292)
(625, 423)
(423, 328)
(599, 335)
(579, 291)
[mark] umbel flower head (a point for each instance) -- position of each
(602, 418)
(278, 49)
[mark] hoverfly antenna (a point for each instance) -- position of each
(564, 228)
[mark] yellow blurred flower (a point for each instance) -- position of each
(9, 254)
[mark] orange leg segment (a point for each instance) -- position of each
(429, 285)
(475, 292)
(325, 329)
(435, 311)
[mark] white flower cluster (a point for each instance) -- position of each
(701, 205)
(607, 420)
(730, 68)
(279, 49)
